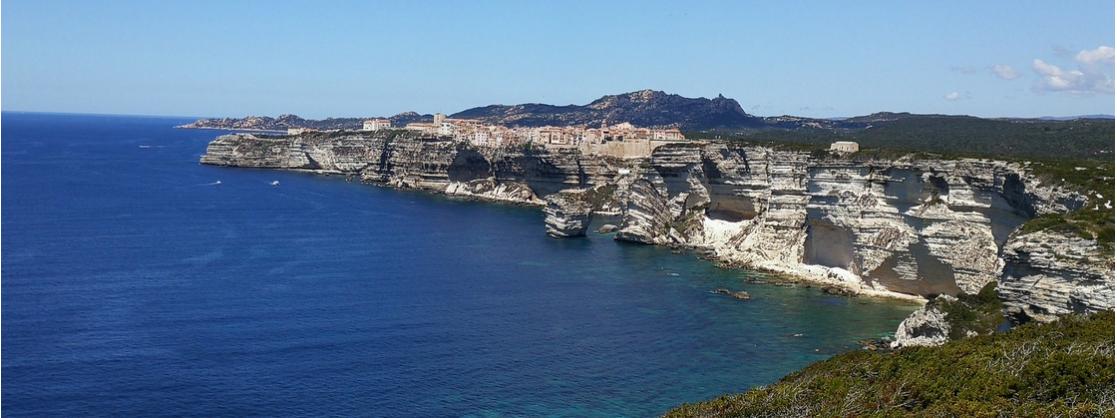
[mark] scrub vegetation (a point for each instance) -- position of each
(1065, 368)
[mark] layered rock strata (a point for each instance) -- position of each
(901, 227)
(1052, 273)
(568, 214)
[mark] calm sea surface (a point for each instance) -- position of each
(135, 284)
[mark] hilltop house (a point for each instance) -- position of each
(376, 124)
(844, 147)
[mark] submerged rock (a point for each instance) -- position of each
(607, 228)
(837, 291)
(739, 294)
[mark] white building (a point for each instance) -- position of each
(669, 134)
(376, 124)
(844, 147)
(421, 127)
(444, 128)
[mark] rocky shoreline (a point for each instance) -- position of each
(903, 228)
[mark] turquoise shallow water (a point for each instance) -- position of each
(133, 285)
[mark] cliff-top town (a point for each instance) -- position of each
(620, 209)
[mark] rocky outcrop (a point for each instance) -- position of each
(489, 189)
(568, 214)
(663, 204)
(1050, 273)
(926, 327)
(647, 218)
(914, 227)
(259, 152)
(947, 318)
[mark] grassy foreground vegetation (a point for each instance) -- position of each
(978, 314)
(1086, 223)
(1065, 368)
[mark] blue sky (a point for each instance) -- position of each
(318, 59)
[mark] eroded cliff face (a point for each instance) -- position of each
(1052, 273)
(890, 227)
(916, 227)
(568, 213)
(522, 175)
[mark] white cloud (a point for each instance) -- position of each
(1094, 73)
(952, 96)
(1005, 72)
(1101, 54)
(1055, 78)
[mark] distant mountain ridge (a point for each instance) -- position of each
(717, 116)
(1098, 116)
(640, 108)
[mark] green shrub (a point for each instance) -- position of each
(1058, 369)
(1085, 223)
(978, 314)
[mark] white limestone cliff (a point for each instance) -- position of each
(902, 227)
(1051, 273)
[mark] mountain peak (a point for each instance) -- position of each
(641, 96)
(641, 108)
(646, 95)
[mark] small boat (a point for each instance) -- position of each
(275, 183)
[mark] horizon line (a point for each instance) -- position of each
(141, 115)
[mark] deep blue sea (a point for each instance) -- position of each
(134, 284)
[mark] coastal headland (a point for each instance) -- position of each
(955, 212)
(906, 227)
